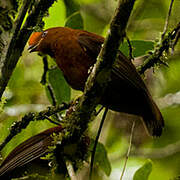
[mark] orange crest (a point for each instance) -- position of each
(35, 38)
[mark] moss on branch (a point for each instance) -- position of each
(20, 36)
(17, 127)
(157, 55)
(83, 113)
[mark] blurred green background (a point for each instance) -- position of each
(25, 93)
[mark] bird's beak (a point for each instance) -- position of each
(32, 48)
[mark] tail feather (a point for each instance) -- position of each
(153, 119)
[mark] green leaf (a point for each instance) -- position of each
(59, 86)
(71, 7)
(101, 158)
(143, 172)
(75, 21)
(57, 15)
(139, 47)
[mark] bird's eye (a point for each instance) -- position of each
(44, 33)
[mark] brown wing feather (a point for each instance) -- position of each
(90, 44)
(139, 100)
(123, 68)
(29, 150)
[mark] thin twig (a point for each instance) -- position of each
(96, 141)
(50, 120)
(167, 19)
(130, 49)
(70, 170)
(50, 89)
(44, 81)
(129, 149)
(46, 68)
(101, 108)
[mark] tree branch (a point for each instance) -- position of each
(159, 50)
(167, 19)
(158, 153)
(70, 170)
(20, 37)
(78, 120)
(19, 125)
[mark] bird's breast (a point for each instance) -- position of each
(74, 64)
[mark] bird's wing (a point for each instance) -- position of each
(90, 43)
(123, 68)
(29, 150)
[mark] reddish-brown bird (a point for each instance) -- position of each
(75, 51)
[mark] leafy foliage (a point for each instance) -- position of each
(71, 7)
(101, 158)
(139, 47)
(147, 22)
(60, 88)
(143, 172)
(75, 21)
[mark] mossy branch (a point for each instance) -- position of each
(77, 121)
(157, 55)
(19, 125)
(20, 36)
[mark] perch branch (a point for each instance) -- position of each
(77, 121)
(94, 88)
(19, 125)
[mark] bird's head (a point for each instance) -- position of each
(44, 41)
(38, 41)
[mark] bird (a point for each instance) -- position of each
(75, 52)
(27, 151)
